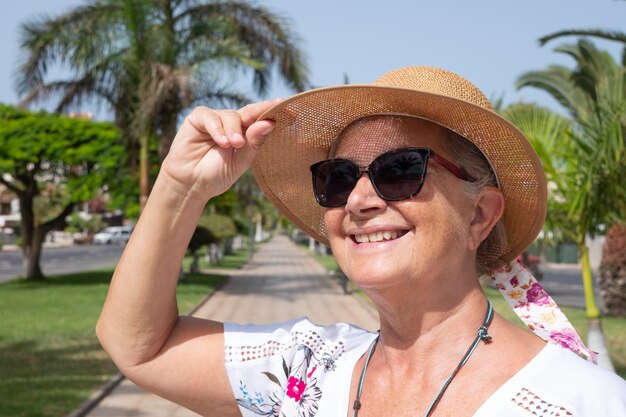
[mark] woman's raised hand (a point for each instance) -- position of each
(213, 148)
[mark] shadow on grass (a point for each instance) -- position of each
(78, 278)
(201, 278)
(104, 277)
(50, 381)
(229, 263)
(199, 283)
(232, 261)
(50, 370)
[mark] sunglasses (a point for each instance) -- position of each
(396, 175)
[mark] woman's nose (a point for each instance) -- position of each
(363, 200)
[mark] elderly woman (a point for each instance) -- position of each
(419, 187)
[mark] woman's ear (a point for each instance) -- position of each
(488, 209)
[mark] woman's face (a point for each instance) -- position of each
(422, 236)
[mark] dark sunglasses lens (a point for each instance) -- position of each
(333, 181)
(399, 175)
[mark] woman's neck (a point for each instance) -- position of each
(413, 325)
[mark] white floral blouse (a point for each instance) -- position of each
(299, 369)
(294, 368)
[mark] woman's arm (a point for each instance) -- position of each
(179, 358)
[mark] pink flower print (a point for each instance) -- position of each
(568, 339)
(306, 395)
(536, 294)
(309, 404)
(295, 388)
(514, 282)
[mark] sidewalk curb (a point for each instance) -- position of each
(105, 389)
(98, 395)
(597, 343)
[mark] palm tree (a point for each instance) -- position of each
(547, 132)
(149, 60)
(613, 264)
(594, 95)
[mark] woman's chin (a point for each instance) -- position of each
(375, 274)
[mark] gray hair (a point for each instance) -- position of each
(471, 160)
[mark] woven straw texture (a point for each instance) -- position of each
(307, 125)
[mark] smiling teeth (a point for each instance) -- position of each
(376, 237)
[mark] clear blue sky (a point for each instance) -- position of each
(489, 42)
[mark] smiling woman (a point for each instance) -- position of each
(430, 229)
(419, 187)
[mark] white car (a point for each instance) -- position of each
(113, 235)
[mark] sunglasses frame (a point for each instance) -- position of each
(426, 153)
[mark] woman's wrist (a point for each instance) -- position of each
(171, 212)
(177, 197)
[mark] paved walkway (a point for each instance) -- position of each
(281, 282)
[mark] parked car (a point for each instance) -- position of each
(113, 235)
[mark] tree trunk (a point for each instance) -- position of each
(32, 255)
(612, 271)
(228, 246)
(32, 237)
(168, 131)
(590, 300)
(33, 233)
(195, 263)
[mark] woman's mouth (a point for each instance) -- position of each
(378, 236)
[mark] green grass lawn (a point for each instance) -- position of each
(50, 359)
(614, 327)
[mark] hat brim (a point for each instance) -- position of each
(308, 123)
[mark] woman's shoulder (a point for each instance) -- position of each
(251, 341)
(558, 380)
(570, 370)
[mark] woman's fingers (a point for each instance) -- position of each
(208, 121)
(232, 125)
(250, 113)
(228, 127)
(257, 133)
(257, 130)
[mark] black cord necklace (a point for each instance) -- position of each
(481, 335)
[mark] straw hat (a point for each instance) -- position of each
(308, 123)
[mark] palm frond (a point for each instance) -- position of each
(592, 66)
(617, 36)
(267, 38)
(63, 40)
(555, 80)
(548, 132)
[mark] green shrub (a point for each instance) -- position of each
(77, 223)
(221, 227)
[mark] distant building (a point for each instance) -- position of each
(10, 212)
(9, 208)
